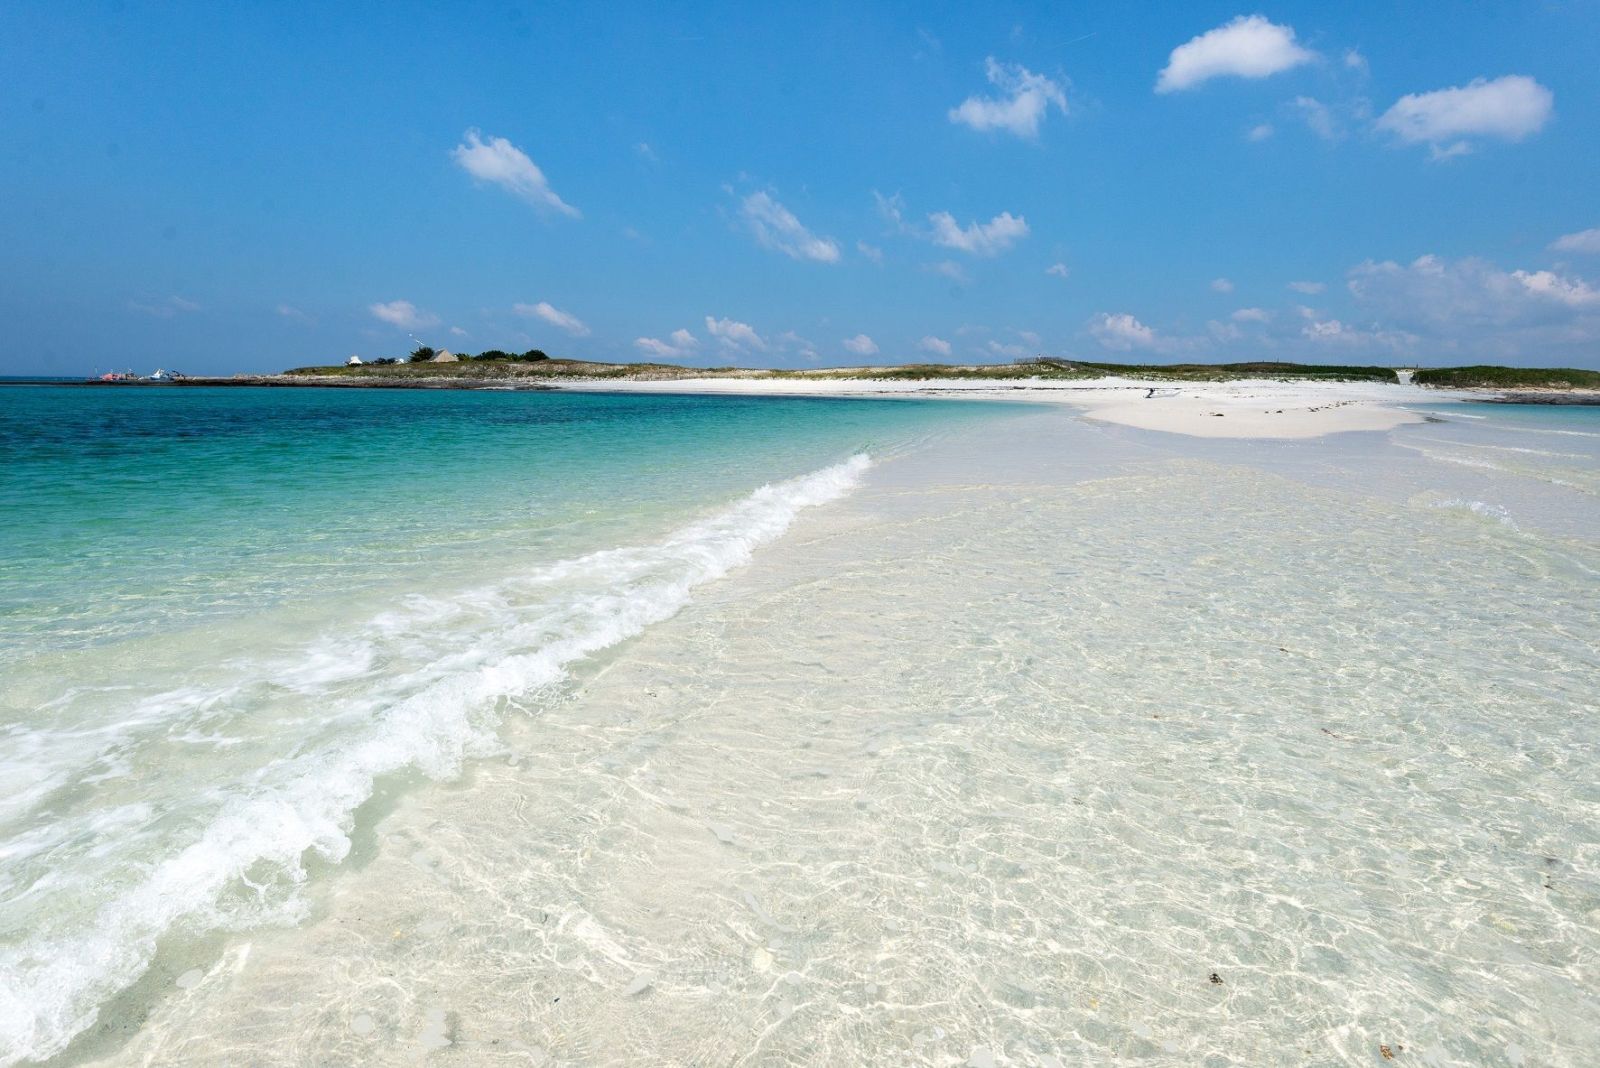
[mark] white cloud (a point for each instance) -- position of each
(499, 161)
(164, 309)
(776, 227)
(644, 150)
(458, 332)
(1582, 241)
(1060, 270)
(1251, 315)
(1221, 285)
(1010, 352)
(680, 343)
(936, 345)
(1307, 287)
(1027, 98)
(1574, 292)
(871, 252)
(1354, 60)
(404, 314)
(734, 334)
(1509, 108)
(1247, 47)
(1259, 132)
(289, 311)
(860, 345)
(1030, 337)
(979, 239)
(1121, 332)
(554, 316)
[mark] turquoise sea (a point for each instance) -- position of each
(229, 616)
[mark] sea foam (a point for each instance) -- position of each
(505, 642)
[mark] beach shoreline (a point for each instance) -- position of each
(1243, 408)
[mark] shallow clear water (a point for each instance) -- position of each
(227, 616)
(997, 756)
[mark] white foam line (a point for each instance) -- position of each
(51, 988)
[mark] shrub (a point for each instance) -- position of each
(533, 356)
(423, 353)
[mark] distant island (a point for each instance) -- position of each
(427, 368)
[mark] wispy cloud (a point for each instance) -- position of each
(892, 208)
(163, 309)
(1251, 315)
(1259, 132)
(938, 346)
(1308, 287)
(504, 164)
(404, 314)
(1060, 270)
(1009, 350)
(1025, 100)
(1247, 47)
(1221, 285)
(870, 252)
(289, 311)
(1582, 241)
(948, 269)
(1318, 117)
(554, 316)
(775, 226)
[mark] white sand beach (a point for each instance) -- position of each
(1248, 408)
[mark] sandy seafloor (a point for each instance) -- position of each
(1058, 743)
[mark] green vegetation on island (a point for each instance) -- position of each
(1488, 377)
(428, 367)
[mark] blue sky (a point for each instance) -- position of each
(225, 188)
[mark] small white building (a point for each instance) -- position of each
(353, 361)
